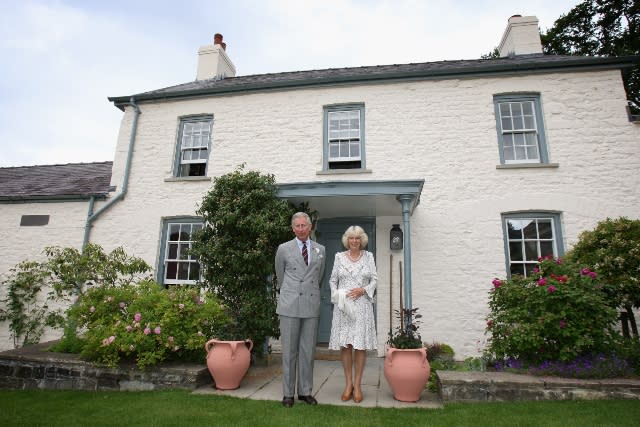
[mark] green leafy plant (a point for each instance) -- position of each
(244, 224)
(439, 351)
(612, 249)
(26, 305)
(406, 335)
(558, 313)
(146, 323)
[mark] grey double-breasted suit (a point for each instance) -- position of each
(299, 310)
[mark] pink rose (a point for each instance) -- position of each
(147, 330)
(157, 330)
(137, 317)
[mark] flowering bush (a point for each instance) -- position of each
(558, 313)
(146, 323)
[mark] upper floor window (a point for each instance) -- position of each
(529, 236)
(193, 147)
(520, 129)
(177, 266)
(344, 137)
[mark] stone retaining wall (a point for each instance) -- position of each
(39, 369)
(458, 386)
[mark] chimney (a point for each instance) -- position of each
(213, 61)
(521, 37)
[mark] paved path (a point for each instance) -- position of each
(328, 380)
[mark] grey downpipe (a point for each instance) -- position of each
(91, 216)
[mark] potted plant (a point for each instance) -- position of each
(228, 357)
(406, 368)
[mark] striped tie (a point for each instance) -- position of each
(305, 254)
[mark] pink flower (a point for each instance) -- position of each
(585, 271)
(562, 324)
(170, 339)
(542, 281)
(496, 283)
(180, 306)
(92, 309)
(128, 328)
(147, 330)
(551, 289)
(111, 339)
(559, 261)
(593, 274)
(157, 330)
(122, 304)
(137, 317)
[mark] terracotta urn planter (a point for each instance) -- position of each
(407, 372)
(228, 361)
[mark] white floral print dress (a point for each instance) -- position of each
(360, 331)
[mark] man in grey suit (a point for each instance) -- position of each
(299, 269)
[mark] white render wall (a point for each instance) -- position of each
(441, 131)
(65, 228)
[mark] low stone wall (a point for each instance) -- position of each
(36, 368)
(458, 386)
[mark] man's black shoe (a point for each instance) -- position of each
(287, 402)
(308, 399)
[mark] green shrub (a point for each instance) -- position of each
(439, 351)
(558, 313)
(146, 323)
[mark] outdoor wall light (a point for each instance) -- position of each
(395, 237)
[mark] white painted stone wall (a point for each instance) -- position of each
(65, 228)
(441, 131)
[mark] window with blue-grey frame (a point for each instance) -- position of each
(193, 147)
(177, 266)
(343, 136)
(520, 128)
(529, 236)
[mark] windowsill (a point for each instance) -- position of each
(187, 178)
(342, 171)
(528, 166)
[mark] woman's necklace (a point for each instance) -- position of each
(356, 258)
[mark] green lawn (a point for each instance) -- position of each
(181, 408)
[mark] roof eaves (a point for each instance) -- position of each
(482, 69)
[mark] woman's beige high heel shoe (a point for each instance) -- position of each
(347, 394)
(357, 396)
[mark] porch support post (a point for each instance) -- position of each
(405, 200)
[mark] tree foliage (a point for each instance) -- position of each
(613, 249)
(244, 224)
(600, 28)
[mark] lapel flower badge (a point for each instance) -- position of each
(317, 251)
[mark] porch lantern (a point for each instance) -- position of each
(395, 237)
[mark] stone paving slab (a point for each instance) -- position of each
(328, 379)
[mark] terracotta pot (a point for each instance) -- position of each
(407, 372)
(228, 362)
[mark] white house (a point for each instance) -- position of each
(485, 165)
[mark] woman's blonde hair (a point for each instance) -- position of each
(355, 230)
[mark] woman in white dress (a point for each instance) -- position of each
(353, 285)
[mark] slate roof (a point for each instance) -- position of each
(70, 181)
(533, 63)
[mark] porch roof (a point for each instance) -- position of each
(353, 198)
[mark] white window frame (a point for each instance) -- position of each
(520, 127)
(194, 145)
(174, 253)
(340, 134)
(525, 250)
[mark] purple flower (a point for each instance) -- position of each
(551, 289)
(147, 330)
(562, 324)
(157, 330)
(542, 281)
(137, 317)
